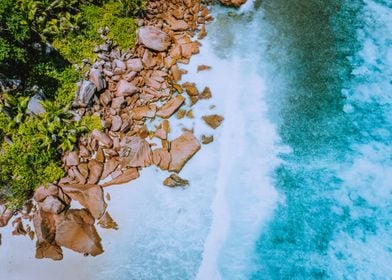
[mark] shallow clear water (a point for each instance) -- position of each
(298, 182)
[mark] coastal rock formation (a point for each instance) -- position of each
(75, 230)
(90, 196)
(170, 107)
(181, 150)
(153, 38)
(128, 175)
(135, 152)
(5, 216)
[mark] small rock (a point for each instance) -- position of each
(125, 88)
(205, 94)
(175, 181)
(213, 120)
(181, 150)
(207, 139)
(135, 64)
(86, 92)
(107, 222)
(97, 79)
(128, 175)
(34, 106)
(203, 68)
(116, 123)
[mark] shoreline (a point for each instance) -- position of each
(137, 79)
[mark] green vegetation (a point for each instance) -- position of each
(39, 42)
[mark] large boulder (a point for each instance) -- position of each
(128, 175)
(181, 150)
(90, 196)
(153, 38)
(45, 230)
(135, 152)
(75, 230)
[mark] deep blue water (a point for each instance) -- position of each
(333, 60)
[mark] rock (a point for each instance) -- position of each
(86, 92)
(52, 204)
(176, 25)
(76, 231)
(161, 134)
(181, 150)
(5, 216)
(170, 107)
(141, 112)
(18, 227)
(125, 88)
(89, 196)
(180, 114)
(109, 166)
(116, 123)
(176, 73)
(207, 139)
(107, 222)
(153, 38)
(191, 89)
(135, 64)
(213, 120)
(135, 152)
(118, 102)
(105, 98)
(205, 94)
(189, 114)
(34, 107)
(202, 32)
(128, 175)
(102, 138)
(72, 159)
(175, 181)
(233, 3)
(148, 59)
(51, 190)
(100, 156)
(84, 171)
(96, 169)
(45, 230)
(189, 49)
(161, 158)
(95, 76)
(203, 68)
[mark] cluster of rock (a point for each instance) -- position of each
(125, 89)
(233, 3)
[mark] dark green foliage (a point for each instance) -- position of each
(39, 41)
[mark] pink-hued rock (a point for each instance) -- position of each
(116, 123)
(52, 205)
(96, 169)
(128, 175)
(118, 102)
(125, 88)
(102, 138)
(147, 111)
(90, 196)
(153, 38)
(161, 158)
(45, 230)
(51, 190)
(107, 222)
(134, 64)
(72, 159)
(181, 150)
(170, 107)
(109, 166)
(161, 134)
(176, 25)
(135, 152)
(75, 230)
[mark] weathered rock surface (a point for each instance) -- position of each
(161, 158)
(153, 38)
(175, 181)
(96, 77)
(86, 92)
(90, 196)
(125, 88)
(107, 222)
(96, 169)
(207, 139)
(135, 152)
(45, 230)
(170, 107)
(103, 139)
(141, 112)
(181, 150)
(75, 230)
(5, 216)
(213, 121)
(127, 176)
